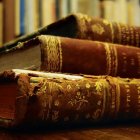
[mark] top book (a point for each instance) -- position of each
(85, 27)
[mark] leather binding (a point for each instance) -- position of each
(63, 99)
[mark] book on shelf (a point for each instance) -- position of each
(106, 7)
(61, 54)
(17, 18)
(134, 12)
(22, 17)
(31, 19)
(8, 20)
(47, 12)
(86, 27)
(1, 23)
(37, 98)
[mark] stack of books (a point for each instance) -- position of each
(79, 69)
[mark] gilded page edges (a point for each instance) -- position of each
(51, 53)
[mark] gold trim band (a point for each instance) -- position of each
(51, 53)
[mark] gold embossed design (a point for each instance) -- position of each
(97, 28)
(58, 99)
(106, 22)
(101, 87)
(108, 59)
(111, 59)
(117, 96)
(51, 53)
(137, 36)
(82, 27)
(112, 31)
(115, 59)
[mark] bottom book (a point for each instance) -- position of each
(31, 97)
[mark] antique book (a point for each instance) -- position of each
(61, 54)
(33, 98)
(85, 27)
(8, 20)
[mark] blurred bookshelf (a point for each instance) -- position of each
(20, 17)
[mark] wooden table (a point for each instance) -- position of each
(128, 131)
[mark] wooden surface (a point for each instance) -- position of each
(99, 132)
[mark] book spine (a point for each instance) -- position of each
(73, 6)
(8, 17)
(104, 30)
(29, 16)
(68, 55)
(63, 8)
(17, 18)
(47, 12)
(122, 6)
(57, 9)
(96, 11)
(85, 27)
(134, 12)
(22, 17)
(108, 9)
(36, 15)
(88, 99)
(1, 23)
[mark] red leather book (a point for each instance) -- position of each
(60, 54)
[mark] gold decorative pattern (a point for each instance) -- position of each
(111, 59)
(112, 31)
(115, 55)
(51, 53)
(82, 27)
(108, 59)
(105, 98)
(137, 34)
(101, 86)
(97, 28)
(106, 22)
(117, 96)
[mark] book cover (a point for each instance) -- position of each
(86, 27)
(61, 54)
(66, 99)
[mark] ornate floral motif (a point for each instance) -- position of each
(106, 22)
(97, 28)
(82, 20)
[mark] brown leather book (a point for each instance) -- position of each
(85, 27)
(34, 98)
(61, 54)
